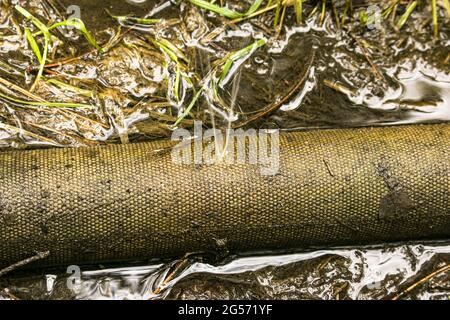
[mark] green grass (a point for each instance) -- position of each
(33, 44)
(277, 13)
(406, 15)
(410, 9)
(189, 108)
(47, 104)
(223, 70)
(447, 6)
(81, 27)
(298, 10)
(235, 56)
(230, 14)
(45, 31)
(134, 20)
(223, 11)
(387, 11)
(435, 18)
(68, 87)
(176, 55)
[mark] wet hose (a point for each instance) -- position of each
(123, 202)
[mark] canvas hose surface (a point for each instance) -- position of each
(122, 202)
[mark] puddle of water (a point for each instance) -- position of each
(358, 77)
(341, 273)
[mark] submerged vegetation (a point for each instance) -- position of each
(157, 72)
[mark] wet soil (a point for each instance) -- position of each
(359, 76)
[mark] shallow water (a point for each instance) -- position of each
(341, 273)
(405, 78)
(358, 78)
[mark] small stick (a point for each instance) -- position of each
(38, 256)
(10, 295)
(254, 14)
(83, 141)
(338, 87)
(26, 93)
(328, 168)
(23, 132)
(280, 26)
(422, 281)
(447, 60)
(16, 88)
(172, 275)
(69, 60)
(336, 15)
(277, 105)
(366, 54)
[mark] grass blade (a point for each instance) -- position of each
(225, 11)
(447, 6)
(239, 55)
(298, 11)
(386, 12)
(134, 20)
(435, 18)
(189, 108)
(277, 13)
(33, 45)
(214, 8)
(47, 104)
(174, 49)
(33, 19)
(68, 87)
(176, 86)
(81, 27)
(406, 15)
(254, 7)
(323, 13)
(45, 31)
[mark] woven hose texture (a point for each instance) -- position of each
(121, 202)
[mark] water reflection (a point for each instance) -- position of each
(341, 273)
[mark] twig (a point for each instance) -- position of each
(66, 113)
(22, 132)
(172, 275)
(16, 88)
(69, 60)
(10, 295)
(83, 141)
(338, 87)
(38, 256)
(278, 104)
(336, 15)
(447, 60)
(366, 54)
(422, 281)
